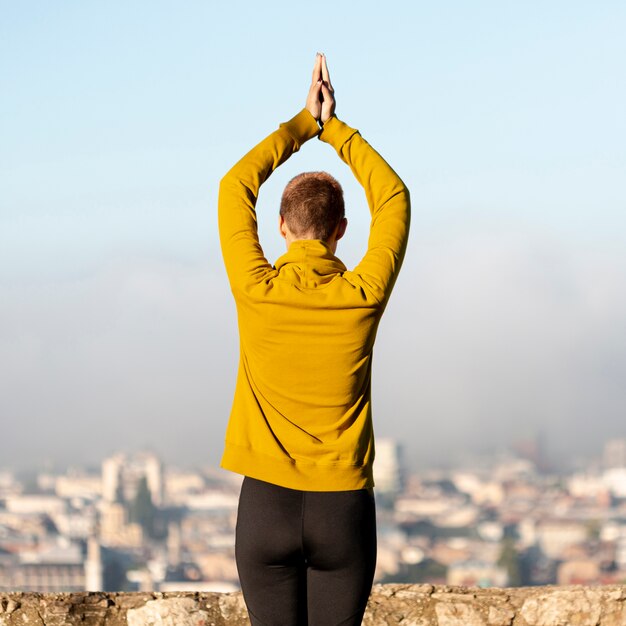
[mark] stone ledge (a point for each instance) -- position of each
(406, 605)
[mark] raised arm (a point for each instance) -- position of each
(239, 189)
(387, 197)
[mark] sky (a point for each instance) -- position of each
(118, 119)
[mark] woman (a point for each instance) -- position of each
(300, 429)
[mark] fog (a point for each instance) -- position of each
(488, 338)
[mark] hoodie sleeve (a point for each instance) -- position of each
(389, 204)
(239, 189)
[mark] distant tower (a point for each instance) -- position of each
(93, 566)
(388, 468)
(174, 544)
(154, 475)
(112, 478)
(121, 476)
(615, 454)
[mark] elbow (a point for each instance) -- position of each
(232, 185)
(229, 189)
(405, 197)
(227, 180)
(404, 193)
(400, 197)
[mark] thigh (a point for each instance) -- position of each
(340, 546)
(268, 553)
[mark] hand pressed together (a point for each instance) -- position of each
(321, 99)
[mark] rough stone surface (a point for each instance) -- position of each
(170, 612)
(389, 605)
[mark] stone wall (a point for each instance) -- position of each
(407, 605)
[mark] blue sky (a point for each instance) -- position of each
(117, 121)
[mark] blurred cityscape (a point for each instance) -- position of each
(135, 524)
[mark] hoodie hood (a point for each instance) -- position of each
(309, 262)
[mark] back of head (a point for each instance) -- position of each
(312, 205)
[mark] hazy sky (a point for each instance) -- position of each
(117, 120)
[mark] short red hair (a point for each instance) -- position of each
(312, 205)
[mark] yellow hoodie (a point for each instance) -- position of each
(301, 416)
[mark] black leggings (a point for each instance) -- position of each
(305, 558)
